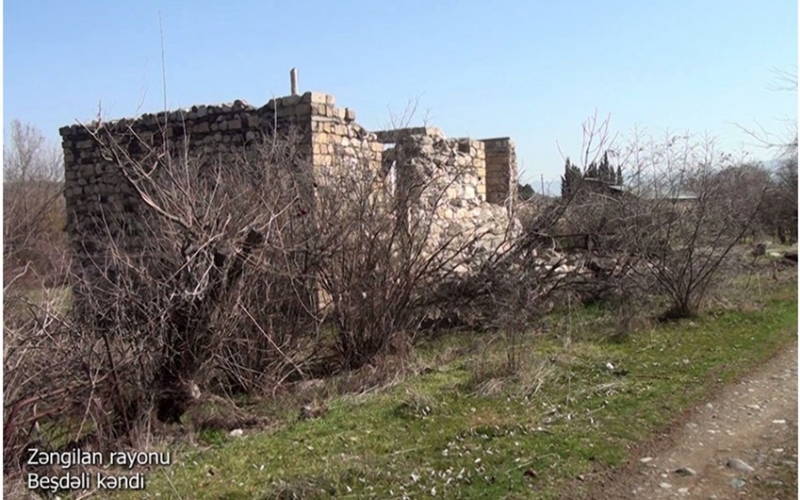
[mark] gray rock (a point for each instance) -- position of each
(740, 465)
(685, 471)
(737, 483)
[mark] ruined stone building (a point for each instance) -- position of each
(95, 190)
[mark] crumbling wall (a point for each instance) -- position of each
(471, 184)
(102, 206)
(441, 189)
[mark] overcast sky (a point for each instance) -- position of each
(532, 70)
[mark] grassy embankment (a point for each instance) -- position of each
(465, 426)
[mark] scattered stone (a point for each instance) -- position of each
(737, 483)
(685, 471)
(740, 465)
(754, 407)
(683, 491)
(665, 486)
(236, 433)
(646, 460)
(779, 421)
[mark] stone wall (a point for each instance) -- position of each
(494, 161)
(98, 195)
(444, 183)
(476, 178)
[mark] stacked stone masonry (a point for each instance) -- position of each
(478, 177)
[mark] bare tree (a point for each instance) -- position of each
(33, 209)
(688, 207)
(780, 209)
(202, 260)
(219, 226)
(242, 270)
(384, 249)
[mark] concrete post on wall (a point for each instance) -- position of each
(293, 80)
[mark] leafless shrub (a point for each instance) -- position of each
(42, 383)
(242, 272)
(232, 273)
(526, 277)
(196, 282)
(779, 211)
(217, 270)
(383, 253)
(687, 206)
(34, 265)
(778, 214)
(671, 228)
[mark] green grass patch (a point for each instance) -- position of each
(450, 433)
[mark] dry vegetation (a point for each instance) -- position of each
(253, 276)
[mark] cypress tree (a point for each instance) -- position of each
(565, 181)
(571, 179)
(604, 171)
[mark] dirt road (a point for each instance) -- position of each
(742, 444)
